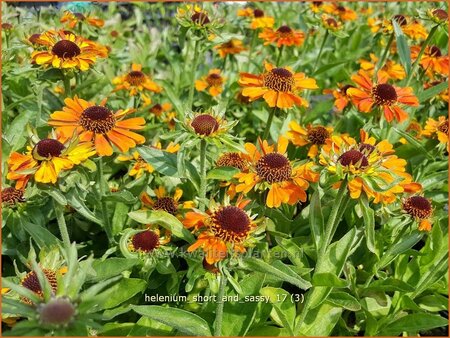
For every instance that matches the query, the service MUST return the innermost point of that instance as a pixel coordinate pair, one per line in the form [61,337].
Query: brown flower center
[231,160]
[34,38]
[317,135]
[47,148]
[384,94]
[7,26]
[205,124]
[279,79]
[258,13]
[443,127]
[331,22]
[340,8]
[317,3]
[210,267]
[66,49]
[274,167]
[345,88]
[214,79]
[200,18]
[417,206]
[168,204]
[435,51]
[58,311]
[98,119]
[145,241]
[366,148]
[284,31]
[227,45]
[79,16]
[230,224]
[353,157]
[401,20]
[31,282]
[135,78]
[157,109]
[12,196]
[440,14]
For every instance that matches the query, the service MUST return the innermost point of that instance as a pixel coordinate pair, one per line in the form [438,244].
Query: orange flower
[315,136]
[391,69]
[415,30]
[341,97]
[229,48]
[432,60]
[316,6]
[136,82]
[331,23]
[283,36]
[66,50]
[382,95]
[344,13]
[272,170]
[74,18]
[159,109]
[260,20]
[278,86]
[437,128]
[369,167]
[223,229]
[214,81]
[99,124]
[420,209]
[166,202]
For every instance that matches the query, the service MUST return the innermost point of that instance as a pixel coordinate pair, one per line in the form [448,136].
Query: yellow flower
[315,136]
[391,69]
[272,170]
[230,48]
[344,13]
[165,202]
[66,50]
[136,82]
[437,128]
[214,81]
[73,19]
[283,36]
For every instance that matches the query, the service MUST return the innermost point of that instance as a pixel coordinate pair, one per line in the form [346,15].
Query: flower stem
[252,46]
[419,56]
[279,56]
[202,192]
[61,224]
[194,68]
[219,306]
[320,50]
[107,223]
[381,61]
[269,123]
[67,88]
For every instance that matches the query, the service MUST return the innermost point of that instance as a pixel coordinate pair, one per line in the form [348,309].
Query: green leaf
[184,321]
[55,194]
[164,219]
[284,274]
[284,307]
[403,50]
[222,173]
[40,235]
[414,323]
[330,66]
[416,144]
[52,74]
[312,326]
[328,279]
[163,162]
[316,219]
[390,284]
[432,91]
[111,267]
[75,201]
[344,300]
[406,243]
[118,293]
[369,223]
[123,196]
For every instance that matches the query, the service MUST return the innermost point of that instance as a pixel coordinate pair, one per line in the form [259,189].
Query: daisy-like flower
[230,48]
[438,15]
[159,109]
[314,136]
[213,82]
[385,26]
[330,23]
[420,209]
[223,229]
[272,170]
[139,165]
[341,97]
[66,50]
[283,36]
[235,160]
[278,86]
[73,18]
[344,13]
[260,20]
[316,6]
[382,95]
[433,61]
[12,196]
[369,167]
[207,125]
[148,241]
[99,124]
[415,30]
[391,69]
[437,128]
[136,82]
[414,129]
[46,159]
[31,282]
[193,17]
[166,202]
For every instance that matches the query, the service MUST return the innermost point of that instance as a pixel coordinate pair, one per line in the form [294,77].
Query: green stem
[107,223]
[419,56]
[219,306]
[194,68]
[225,62]
[382,60]
[202,192]
[67,88]
[61,224]
[320,50]
[279,56]
[269,123]
[252,46]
